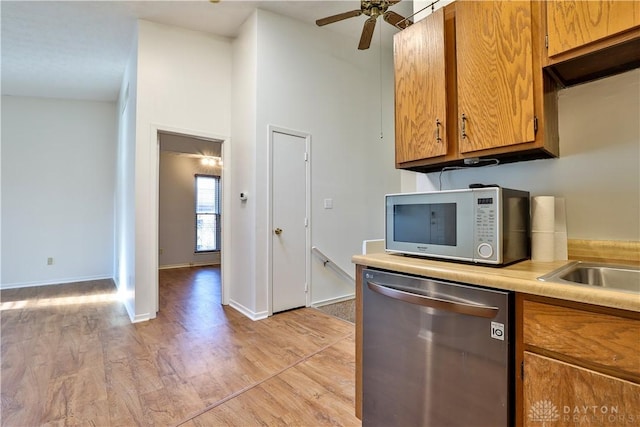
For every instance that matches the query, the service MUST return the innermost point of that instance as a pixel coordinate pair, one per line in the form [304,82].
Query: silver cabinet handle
[487,312]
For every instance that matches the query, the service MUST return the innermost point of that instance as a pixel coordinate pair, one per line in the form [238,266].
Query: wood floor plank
[94,413]
[183,397]
[20,388]
[125,407]
[256,407]
[70,356]
[60,404]
[158,409]
[291,398]
[334,369]
[146,374]
[90,385]
[121,342]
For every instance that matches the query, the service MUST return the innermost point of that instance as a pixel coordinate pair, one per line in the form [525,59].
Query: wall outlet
[161,251]
[50,261]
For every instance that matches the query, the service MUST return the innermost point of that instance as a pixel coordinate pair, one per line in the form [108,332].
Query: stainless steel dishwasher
[435,353]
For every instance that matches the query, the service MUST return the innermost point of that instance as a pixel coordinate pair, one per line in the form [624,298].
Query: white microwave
[487,225]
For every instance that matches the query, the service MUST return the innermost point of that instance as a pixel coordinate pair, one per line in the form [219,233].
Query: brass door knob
[278,231]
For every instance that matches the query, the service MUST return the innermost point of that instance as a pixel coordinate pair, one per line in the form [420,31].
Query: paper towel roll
[560,216]
[560,252]
[542,245]
[543,213]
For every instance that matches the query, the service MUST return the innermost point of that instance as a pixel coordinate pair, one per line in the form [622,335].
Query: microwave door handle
[438,303]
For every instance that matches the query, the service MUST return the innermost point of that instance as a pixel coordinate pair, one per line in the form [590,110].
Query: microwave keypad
[485,227]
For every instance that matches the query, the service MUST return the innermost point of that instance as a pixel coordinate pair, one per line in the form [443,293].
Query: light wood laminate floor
[70,356]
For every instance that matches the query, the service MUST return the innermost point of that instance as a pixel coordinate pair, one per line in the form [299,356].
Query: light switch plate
[328,203]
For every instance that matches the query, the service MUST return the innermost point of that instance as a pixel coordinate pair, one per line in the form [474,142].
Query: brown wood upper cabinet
[573,24]
[469,83]
[495,74]
[588,40]
[421,98]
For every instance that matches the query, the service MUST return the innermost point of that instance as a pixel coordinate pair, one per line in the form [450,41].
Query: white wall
[124,248]
[177,224]
[319,83]
[598,171]
[242,250]
[182,86]
[422,8]
[58,174]
[333,91]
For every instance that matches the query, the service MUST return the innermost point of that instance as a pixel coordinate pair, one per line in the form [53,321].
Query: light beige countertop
[519,277]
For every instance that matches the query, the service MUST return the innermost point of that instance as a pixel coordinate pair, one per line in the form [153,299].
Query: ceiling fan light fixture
[372,9]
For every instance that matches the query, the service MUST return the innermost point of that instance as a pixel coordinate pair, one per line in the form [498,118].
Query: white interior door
[289,219]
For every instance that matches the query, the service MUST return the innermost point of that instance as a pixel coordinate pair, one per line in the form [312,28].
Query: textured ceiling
[78,49]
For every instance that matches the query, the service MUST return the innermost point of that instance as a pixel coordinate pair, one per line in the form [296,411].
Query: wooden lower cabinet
[562,394]
[610,342]
[580,364]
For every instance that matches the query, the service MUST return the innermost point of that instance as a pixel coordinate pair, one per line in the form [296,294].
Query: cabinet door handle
[464,126]
[438,124]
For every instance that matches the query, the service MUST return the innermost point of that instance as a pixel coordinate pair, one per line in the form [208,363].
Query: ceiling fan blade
[338,17]
[396,20]
[367,33]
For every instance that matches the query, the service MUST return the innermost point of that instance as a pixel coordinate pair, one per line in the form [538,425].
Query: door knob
[278,231]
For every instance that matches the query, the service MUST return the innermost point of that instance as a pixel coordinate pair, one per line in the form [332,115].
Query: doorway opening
[190,203]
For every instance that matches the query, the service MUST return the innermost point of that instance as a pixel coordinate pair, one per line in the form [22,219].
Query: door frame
[307,137]
[225,260]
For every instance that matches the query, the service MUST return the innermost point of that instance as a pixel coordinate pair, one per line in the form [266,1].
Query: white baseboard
[333,300]
[141,317]
[249,313]
[191,264]
[130,310]
[53,282]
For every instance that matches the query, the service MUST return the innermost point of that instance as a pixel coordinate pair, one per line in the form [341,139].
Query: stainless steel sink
[619,277]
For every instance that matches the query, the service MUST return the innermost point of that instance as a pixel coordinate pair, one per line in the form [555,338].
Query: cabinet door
[560,394]
[571,24]
[420,84]
[601,339]
[495,74]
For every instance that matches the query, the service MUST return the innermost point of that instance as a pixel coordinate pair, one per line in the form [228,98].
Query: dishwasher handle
[438,303]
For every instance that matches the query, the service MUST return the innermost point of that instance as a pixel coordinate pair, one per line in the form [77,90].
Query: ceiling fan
[373,9]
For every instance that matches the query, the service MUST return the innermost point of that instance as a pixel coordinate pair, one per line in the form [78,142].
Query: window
[207,213]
